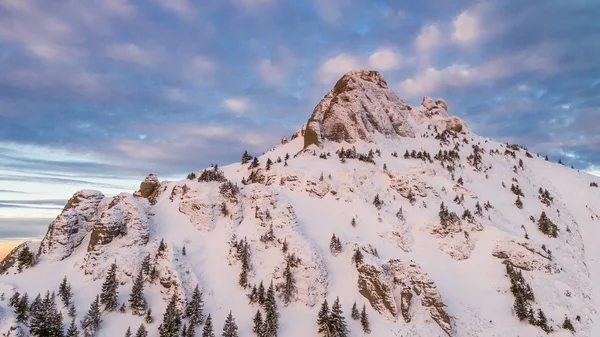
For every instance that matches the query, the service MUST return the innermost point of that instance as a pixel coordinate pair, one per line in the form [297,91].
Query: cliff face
[72,225]
[359,105]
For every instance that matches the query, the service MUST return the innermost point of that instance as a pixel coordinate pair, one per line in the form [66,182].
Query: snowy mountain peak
[418,227]
[361,104]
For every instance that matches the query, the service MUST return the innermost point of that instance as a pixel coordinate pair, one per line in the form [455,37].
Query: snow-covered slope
[426,270]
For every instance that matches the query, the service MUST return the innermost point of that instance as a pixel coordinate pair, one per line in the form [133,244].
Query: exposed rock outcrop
[359,105]
[124,224]
[410,282]
[148,187]
[374,287]
[75,221]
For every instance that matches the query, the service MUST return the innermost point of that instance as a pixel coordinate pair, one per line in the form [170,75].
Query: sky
[97,94]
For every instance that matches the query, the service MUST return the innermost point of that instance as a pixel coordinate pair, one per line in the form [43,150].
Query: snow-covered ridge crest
[361,104]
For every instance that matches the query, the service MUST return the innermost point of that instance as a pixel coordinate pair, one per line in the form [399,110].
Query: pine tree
[109,296]
[45,319]
[93,319]
[184,331]
[161,247]
[253,295]
[123,308]
[14,299]
[149,319]
[357,257]
[194,308]
[136,298]
[520,307]
[258,323]
[337,320]
[25,258]
[191,332]
[128,332]
[208,330]
[246,157]
[261,294]
[65,292]
[269,163]
[230,328]
[542,321]
[568,325]
[171,319]
[271,316]
[519,203]
[183,252]
[146,265]
[323,320]
[364,320]
[141,332]
[354,313]
[288,287]
[22,309]
[73,331]
[284,246]
[335,245]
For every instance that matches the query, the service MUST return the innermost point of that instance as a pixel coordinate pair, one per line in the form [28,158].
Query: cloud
[384,59]
[429,38]
[119,7]
[253,3]
[330,11]
[182,8]
[201,64]
[174,94]
[338,65]
[276,72]
[236,104]
[132,53]
[466,27]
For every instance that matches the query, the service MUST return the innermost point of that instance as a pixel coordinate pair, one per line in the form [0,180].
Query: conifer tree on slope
[65,292]
[146,265]
[128,332]
[208,330]
[92,321]
[258,324]
[191,332]
[194,308]
[323,320]
[364,320]
[230,329]
[141,332]
[46,320]
[337,320]
[22,309]
[109,296]
[271,315]
[136,298]
[355,314]
[73,331]
[171,319]
[261,294]
[288,287]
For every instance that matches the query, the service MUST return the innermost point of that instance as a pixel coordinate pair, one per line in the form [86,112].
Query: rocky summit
[375,218]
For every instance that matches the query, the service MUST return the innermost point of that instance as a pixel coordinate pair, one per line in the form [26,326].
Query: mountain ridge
[431,208]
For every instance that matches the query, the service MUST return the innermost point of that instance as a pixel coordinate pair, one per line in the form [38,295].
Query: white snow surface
[305,211]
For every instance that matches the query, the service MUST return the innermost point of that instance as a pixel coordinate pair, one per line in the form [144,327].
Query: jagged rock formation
[72,225]
[123,220]
[360,104]
[148,187]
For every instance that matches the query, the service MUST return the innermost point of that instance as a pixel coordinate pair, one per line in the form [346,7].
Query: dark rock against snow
[359,105]
[148,187]
[75,221]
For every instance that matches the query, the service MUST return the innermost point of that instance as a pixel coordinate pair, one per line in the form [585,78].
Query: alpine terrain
[376,218]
